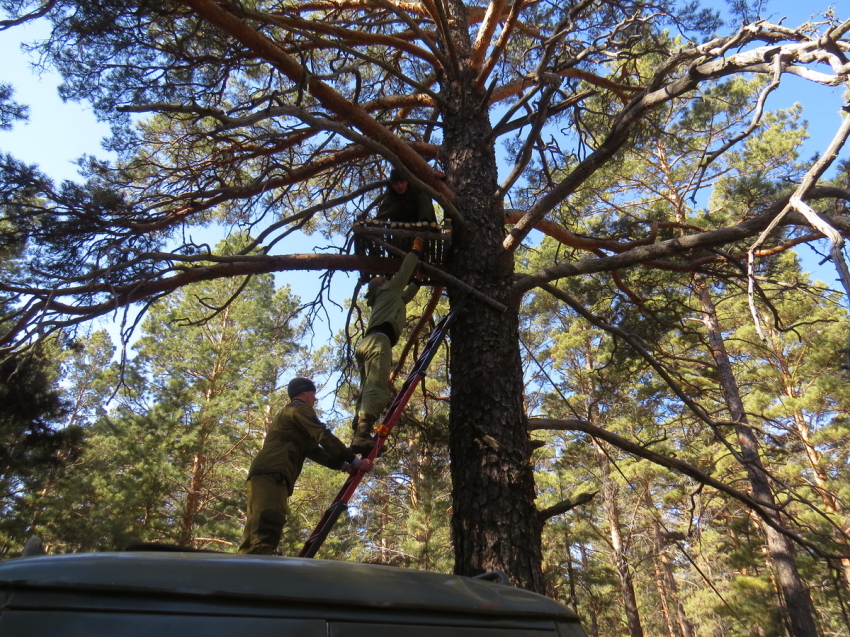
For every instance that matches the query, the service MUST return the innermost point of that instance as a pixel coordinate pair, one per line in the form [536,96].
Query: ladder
[340,502]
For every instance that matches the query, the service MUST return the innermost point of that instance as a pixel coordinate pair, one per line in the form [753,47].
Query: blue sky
[57,132]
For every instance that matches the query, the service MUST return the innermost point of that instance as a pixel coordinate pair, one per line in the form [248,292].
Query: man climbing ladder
[383,430]
[388,299]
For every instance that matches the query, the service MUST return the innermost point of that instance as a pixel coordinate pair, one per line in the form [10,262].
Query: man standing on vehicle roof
[374,353]
[295,434]
[405,202]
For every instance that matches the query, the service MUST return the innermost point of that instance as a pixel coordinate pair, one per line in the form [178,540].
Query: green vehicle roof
[276,579]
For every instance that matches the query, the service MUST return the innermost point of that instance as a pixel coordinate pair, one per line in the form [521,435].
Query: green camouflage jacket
[296,434]
[388,302]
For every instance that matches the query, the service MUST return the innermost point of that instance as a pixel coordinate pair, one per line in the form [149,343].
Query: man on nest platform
[296,433]
[388,300]
[404,202]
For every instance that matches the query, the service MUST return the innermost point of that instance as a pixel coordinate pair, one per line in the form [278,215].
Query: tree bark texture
[193,500]
[798,604]
[494,521]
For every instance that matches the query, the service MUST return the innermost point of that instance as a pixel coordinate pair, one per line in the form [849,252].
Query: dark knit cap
[299,386]
[395,175]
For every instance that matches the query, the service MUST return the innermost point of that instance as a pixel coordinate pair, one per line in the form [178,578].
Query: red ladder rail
[340,502]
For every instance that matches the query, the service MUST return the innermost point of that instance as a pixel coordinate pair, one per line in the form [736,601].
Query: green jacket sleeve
[401,278]
[327,449]
[331,453]
[409,292]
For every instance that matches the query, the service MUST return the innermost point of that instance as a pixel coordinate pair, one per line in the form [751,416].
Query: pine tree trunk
[661,589]
[494,523]
[591,622]
[685,628]
[668,591]
[193,500]
[571,576]
[797,601]
[621,562]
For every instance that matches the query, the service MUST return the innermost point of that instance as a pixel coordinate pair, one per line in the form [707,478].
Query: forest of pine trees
[643,408]
[167,436]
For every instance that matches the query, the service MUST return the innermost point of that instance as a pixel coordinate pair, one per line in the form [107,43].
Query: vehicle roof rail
[500,577]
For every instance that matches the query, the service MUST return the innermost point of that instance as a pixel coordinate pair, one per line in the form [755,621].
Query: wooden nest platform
[437,238]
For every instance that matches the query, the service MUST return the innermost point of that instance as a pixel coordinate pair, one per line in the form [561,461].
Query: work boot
[363,439]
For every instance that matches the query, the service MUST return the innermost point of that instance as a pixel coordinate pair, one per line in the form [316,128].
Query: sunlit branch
[413,8]
[485,32]
[342,108]
[499,47]
[349,36]
[398,101]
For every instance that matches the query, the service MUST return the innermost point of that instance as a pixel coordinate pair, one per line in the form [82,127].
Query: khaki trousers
[374,356]
[267,509]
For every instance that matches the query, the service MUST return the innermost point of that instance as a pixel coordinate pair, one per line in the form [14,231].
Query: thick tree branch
[498,48]
[485,32]
[33,15]
[565,505]
[680,245]
[120,296]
